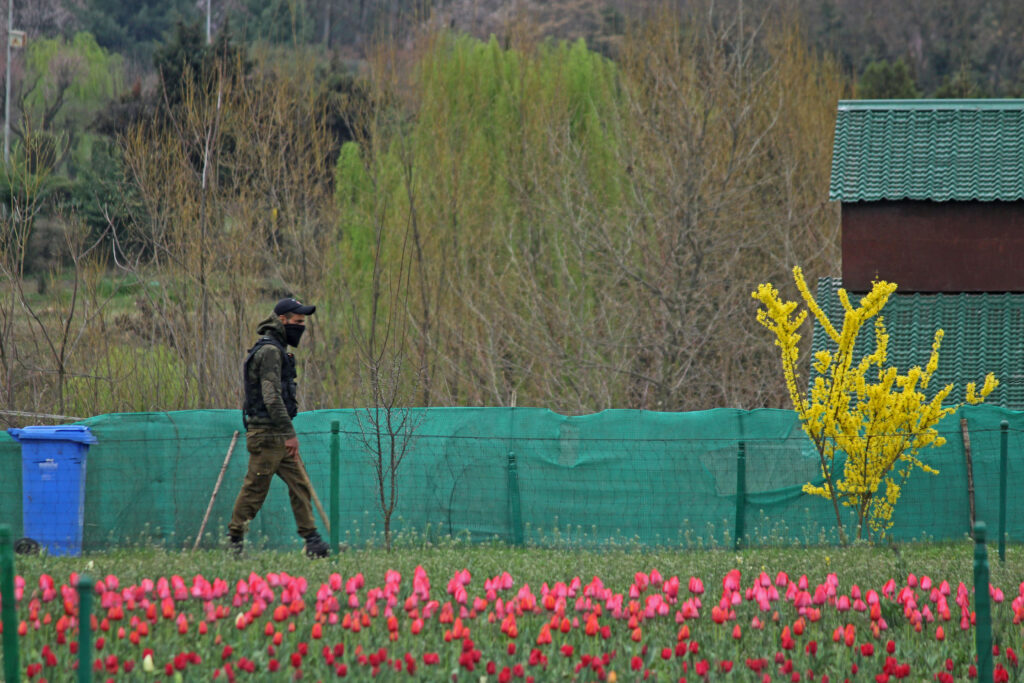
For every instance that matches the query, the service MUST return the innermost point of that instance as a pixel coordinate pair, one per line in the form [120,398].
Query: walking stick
[220,478]
[316,498]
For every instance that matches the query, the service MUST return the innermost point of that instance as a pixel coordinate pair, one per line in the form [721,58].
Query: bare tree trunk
[328,6]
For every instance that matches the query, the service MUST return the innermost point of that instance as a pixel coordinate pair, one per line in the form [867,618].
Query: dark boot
[316,546]
[235,545]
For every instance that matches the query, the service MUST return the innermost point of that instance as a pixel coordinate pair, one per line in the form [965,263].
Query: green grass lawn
[862,564]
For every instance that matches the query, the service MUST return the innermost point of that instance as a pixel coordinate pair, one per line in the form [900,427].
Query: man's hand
[292,446]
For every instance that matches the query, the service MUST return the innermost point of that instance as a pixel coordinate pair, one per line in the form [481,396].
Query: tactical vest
[254,405]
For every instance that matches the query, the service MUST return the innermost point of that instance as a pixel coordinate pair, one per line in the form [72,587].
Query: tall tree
[134,28]
[583,233]
[66,83]
[960,85]
[885,80]
[286,22]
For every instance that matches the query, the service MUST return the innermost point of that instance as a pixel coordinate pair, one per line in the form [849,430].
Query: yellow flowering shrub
[860,408]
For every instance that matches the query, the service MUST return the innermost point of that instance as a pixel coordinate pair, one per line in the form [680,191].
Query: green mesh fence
[521,474]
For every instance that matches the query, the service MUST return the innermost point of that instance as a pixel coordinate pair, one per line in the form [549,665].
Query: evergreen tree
[186,55]
[960,86]
[885,80]
[274,21]
[132,28]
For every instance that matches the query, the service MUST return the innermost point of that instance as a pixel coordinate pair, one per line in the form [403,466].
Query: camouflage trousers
[267,457]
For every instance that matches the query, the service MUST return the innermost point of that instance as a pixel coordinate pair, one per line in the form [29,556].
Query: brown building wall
[934,246]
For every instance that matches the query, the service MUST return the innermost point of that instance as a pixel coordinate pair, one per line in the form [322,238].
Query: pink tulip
[420,583]
[689,610]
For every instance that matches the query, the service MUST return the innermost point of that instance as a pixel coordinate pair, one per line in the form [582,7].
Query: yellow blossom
[867,421]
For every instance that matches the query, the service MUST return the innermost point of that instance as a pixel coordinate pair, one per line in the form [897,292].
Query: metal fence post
[84,629]
[983,614]
[335,483]
[514,509]
[1004,438]
[741,493]
[8,617]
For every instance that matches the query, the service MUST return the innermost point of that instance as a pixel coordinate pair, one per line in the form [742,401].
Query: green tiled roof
[983,333]
[938,150]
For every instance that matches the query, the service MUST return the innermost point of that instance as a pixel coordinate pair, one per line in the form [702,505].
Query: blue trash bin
[53,484]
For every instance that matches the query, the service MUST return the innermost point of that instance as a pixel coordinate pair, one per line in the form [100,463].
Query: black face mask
[293,333]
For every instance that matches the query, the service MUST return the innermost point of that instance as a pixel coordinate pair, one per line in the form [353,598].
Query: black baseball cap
[290,305]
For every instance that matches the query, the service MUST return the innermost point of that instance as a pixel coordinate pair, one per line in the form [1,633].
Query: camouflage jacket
[264,370]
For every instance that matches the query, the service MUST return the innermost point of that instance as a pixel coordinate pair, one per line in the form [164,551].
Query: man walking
[268,376]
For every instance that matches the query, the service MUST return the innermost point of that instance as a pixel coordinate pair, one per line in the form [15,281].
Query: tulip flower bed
[738,623]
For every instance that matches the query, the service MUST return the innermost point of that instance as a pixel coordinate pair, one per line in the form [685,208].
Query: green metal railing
[8,616]
[741,493]
[85,586]
[982,609]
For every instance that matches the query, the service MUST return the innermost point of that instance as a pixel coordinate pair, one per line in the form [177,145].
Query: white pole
[208,3]
[7,85]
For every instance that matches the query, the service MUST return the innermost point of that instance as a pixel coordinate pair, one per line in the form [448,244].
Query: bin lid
[76,433]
